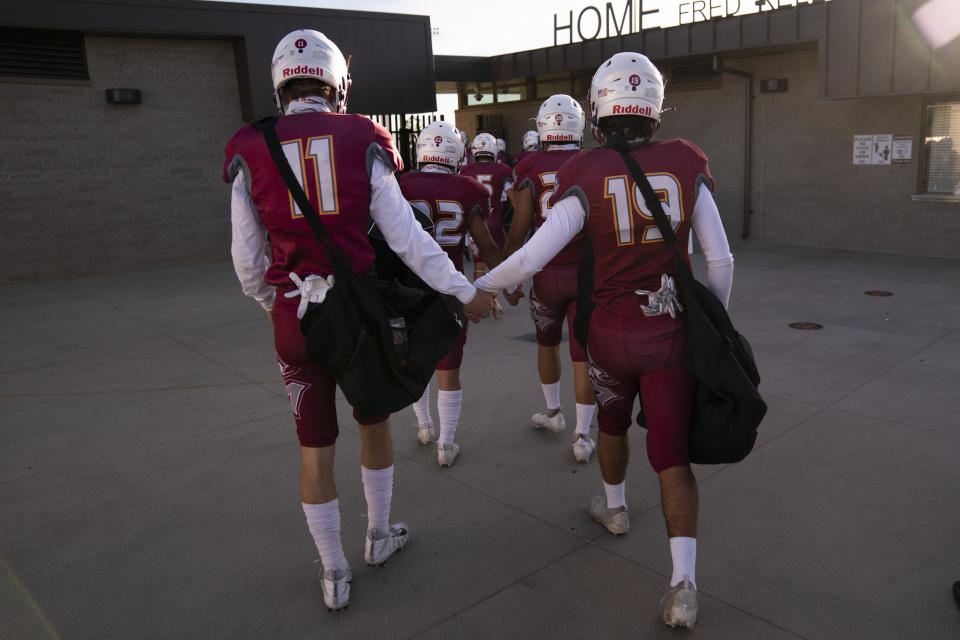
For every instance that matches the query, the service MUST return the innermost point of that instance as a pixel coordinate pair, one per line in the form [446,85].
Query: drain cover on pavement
[806,326]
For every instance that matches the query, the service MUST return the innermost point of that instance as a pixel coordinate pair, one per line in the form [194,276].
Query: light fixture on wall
[123,96]
[773,85]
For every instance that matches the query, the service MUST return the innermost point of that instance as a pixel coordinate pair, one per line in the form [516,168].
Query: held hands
[482,304]
[513,297]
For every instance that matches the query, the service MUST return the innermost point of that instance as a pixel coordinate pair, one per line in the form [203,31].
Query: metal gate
[405,129]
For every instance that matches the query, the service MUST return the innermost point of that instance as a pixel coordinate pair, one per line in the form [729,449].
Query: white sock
[684,554]
[448,408]
[616,494]
[551,393]
[422,407]
[323,521]
[585,417]
[378,489]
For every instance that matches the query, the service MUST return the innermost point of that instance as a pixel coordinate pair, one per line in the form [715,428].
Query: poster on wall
[862,149]
[882,148]
[902,149]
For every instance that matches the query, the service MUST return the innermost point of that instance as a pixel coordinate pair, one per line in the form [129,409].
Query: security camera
[478,96]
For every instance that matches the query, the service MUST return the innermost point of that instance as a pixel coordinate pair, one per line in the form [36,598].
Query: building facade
[826,124]
[97,182]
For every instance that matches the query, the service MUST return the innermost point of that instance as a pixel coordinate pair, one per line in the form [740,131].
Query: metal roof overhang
[392,65]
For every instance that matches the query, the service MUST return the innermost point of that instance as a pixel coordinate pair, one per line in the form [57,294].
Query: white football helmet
[484,145]
[501,145]
[560,119]
[439,143]
[531,141]
[626,84]
[306,53]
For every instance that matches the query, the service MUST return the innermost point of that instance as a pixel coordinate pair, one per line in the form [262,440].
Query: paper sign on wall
[882,148]
[862,149]
[902,149]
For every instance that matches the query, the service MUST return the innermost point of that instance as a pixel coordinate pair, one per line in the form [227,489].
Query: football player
[346,165]
[467,153]
[497,178]
[637,337]
[456,204]
[502,155]
[531,144]
[554,294]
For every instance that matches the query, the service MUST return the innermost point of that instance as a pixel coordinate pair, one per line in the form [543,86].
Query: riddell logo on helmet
[441,159]
[302,69]
[558,137]
[632,109]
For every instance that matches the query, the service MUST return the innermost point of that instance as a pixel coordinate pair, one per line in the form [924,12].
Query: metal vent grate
[39,53]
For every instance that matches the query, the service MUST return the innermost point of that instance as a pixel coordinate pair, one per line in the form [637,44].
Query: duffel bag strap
[267,126]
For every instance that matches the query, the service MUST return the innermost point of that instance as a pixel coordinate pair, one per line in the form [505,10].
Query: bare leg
[678,491]
[582,387]
[449,380]
[316,475]
[377,445]
[548,365]
[613,452]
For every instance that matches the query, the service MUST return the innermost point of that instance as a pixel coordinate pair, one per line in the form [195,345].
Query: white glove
[474,250]
[313,289]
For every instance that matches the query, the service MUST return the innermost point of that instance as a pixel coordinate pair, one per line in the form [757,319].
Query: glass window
[941,149]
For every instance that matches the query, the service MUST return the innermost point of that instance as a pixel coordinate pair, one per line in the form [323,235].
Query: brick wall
[89,187]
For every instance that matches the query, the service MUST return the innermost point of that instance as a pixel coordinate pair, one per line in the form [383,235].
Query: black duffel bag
[727,407]
[380,340]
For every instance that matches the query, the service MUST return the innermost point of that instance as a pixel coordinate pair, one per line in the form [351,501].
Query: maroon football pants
[553,298]
[310,389]
[643,355]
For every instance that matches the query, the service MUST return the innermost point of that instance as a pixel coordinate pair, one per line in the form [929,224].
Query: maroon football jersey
[491,175]
[629,251]
[331,154]
[538,171]
[517,159]
[452,201]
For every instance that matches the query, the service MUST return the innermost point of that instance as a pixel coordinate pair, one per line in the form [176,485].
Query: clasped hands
[485,302]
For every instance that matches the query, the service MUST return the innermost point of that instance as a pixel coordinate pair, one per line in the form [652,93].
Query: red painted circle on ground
[806,326]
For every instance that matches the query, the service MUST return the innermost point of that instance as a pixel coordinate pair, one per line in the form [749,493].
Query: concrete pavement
[148,475]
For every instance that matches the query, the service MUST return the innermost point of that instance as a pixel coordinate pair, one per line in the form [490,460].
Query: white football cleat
[583,447]
[335,584]
[616,520]
[426,433]
[680,605]
[447,453]
[554,424]
[378,549]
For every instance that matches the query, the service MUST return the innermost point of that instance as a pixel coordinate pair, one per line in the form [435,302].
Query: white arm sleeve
[248,245]
[406,237]
[709,229]
[566,219]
